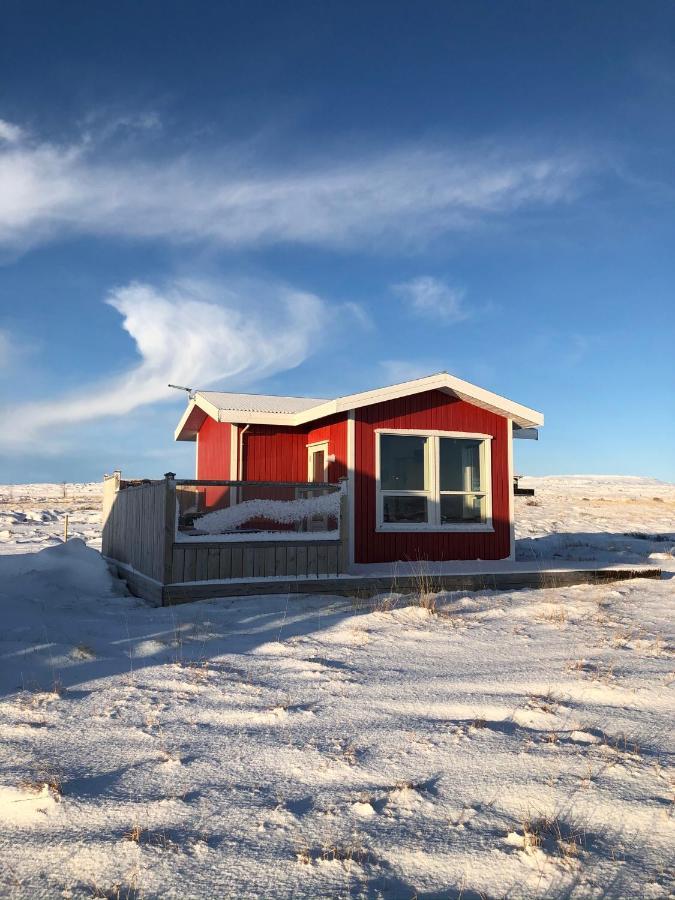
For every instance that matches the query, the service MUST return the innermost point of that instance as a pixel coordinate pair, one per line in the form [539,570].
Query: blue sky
[320,198]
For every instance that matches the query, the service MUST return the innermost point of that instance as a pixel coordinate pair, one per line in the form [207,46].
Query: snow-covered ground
[32,516]
[495,744]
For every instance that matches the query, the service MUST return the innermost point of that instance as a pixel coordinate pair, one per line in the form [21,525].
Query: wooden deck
[140,540]
[363,585]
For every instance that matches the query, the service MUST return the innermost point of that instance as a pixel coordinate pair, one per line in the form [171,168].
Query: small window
[433,482]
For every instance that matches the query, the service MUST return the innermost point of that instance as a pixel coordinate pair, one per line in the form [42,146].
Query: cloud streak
[188,333]
[405,195]
[5,349]
[433,298]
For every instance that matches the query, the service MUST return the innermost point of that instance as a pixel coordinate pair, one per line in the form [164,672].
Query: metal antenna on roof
[178,387]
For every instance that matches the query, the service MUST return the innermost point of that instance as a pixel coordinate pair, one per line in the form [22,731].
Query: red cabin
[428,463]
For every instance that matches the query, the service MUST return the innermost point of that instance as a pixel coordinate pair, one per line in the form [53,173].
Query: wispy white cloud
[394,371]
[187,333]
[10,133]
[434,298]
[5,349]
[408,194]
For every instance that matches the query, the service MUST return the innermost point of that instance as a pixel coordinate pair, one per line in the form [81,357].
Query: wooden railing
[139,535]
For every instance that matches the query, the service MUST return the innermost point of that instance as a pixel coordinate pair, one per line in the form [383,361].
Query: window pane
[405,509]
[460,465]
[403,463]
[456,508]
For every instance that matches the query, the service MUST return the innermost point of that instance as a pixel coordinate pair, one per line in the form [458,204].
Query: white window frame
[433,494]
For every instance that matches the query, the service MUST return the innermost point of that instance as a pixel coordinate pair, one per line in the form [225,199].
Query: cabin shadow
[216,634]
[605,548]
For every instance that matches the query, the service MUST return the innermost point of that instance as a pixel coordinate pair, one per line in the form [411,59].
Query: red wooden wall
[213,458]
[213,450]
[275,453]
[439,412]
[271,452]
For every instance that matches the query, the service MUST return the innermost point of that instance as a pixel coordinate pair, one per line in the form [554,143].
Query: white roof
[272,410]
[258,403]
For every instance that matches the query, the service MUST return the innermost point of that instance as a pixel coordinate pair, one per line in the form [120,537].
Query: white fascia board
[183,419]
[207,407]
[239,417]
[521,415]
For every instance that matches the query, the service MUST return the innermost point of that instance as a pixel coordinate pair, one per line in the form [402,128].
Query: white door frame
[317,447]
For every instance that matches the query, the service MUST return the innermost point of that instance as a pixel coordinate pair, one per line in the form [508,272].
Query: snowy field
[498,744]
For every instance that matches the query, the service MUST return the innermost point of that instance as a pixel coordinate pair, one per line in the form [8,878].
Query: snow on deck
[491,743]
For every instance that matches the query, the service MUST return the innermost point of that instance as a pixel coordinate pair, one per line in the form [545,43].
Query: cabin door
[317,471]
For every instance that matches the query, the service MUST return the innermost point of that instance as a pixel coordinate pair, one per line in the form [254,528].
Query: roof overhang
[522,416]
[190,423]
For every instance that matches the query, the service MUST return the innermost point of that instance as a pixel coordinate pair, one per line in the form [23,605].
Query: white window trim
[311,448]
[433,494]
[351,485]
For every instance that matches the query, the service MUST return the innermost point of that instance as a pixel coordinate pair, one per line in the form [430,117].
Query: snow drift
[281,512]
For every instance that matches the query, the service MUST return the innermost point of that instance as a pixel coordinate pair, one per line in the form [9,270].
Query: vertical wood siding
[275,453]
[213,457]
[436,411]
[271,453]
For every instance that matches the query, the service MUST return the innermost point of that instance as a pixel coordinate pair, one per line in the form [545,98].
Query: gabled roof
[270,410]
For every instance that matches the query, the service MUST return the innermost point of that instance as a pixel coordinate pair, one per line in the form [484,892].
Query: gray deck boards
[368,586]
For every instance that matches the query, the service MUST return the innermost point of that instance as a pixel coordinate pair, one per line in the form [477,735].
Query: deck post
[169,526]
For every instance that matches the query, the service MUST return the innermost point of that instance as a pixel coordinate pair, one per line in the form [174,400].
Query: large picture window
[437,481]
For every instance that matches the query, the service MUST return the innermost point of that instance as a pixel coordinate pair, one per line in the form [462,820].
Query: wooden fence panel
[222,561]
[139,525]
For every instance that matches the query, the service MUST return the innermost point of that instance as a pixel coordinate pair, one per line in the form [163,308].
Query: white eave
[266,410]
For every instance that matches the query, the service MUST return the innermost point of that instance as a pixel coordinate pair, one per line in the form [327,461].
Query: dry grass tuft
[44,777]
[576,665]
[604,672]
[350,754]
[547,702]
[347,854]
[557,615]
[624,744]
[118,891]
[553,836]
[428,601]
[84,652]
[134,834]
[385,603]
